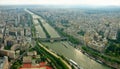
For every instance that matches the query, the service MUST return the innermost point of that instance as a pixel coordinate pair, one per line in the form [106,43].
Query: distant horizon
[62,2]
[59,6]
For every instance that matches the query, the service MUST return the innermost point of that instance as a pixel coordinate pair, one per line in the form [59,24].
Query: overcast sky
[62,2]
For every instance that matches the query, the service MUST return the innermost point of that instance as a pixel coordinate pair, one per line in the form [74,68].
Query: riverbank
[61,61]
[71,53]
[100,58]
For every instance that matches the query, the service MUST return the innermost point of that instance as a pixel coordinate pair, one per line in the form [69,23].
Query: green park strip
[57,60]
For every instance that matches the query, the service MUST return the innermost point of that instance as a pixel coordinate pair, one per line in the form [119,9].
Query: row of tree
[47,34]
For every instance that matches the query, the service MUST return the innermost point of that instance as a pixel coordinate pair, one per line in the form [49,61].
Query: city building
[27,59]
[9,53]
[33,53]
[4,62]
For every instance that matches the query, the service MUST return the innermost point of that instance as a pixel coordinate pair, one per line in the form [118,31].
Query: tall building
[4,62]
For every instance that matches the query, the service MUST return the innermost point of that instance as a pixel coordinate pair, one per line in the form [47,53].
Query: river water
[65,49]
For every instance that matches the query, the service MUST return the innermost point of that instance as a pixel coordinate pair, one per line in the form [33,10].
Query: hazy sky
[62,2]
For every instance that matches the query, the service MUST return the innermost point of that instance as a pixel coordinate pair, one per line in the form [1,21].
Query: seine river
[64,48]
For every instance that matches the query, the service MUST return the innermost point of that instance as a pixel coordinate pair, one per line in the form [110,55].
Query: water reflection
[74,54]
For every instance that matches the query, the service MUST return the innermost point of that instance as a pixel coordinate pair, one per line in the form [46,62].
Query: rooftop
[42,65]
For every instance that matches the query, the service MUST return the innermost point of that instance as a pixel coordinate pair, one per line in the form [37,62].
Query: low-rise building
[27,59]
[9,53]
[33,53]
[42,65]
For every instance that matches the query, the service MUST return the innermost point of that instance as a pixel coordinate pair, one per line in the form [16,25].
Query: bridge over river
[52,39]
